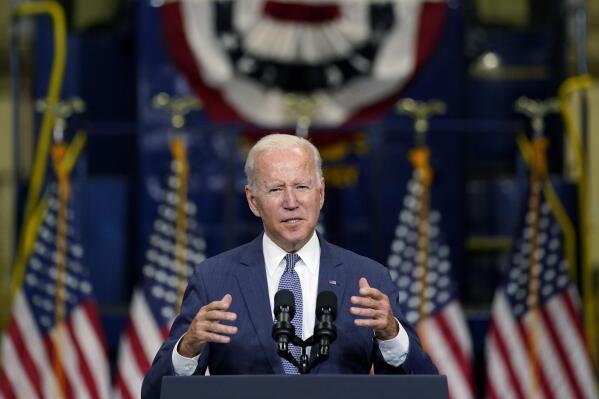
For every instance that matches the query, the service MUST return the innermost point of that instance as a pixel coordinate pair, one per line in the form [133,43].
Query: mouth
[291,221]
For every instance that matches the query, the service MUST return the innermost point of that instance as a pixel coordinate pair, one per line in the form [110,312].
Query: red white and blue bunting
[352,57]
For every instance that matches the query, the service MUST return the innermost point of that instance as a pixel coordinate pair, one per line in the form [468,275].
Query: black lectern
[305,387]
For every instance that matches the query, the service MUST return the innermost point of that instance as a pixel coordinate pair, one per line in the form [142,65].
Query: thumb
[227,299]
[363,283]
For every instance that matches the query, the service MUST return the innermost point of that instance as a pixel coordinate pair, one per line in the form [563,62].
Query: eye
[303,187]
[275,190]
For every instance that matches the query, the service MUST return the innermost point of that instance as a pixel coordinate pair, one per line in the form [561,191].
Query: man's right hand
[205,327]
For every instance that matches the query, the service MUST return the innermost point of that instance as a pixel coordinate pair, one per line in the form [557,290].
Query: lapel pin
[333,282]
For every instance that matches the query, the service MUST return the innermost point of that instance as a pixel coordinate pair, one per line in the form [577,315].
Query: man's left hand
[374,310]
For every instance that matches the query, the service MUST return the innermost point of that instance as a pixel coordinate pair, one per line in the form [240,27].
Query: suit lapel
[254,288]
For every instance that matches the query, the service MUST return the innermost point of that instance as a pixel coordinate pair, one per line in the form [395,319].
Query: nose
[290,199]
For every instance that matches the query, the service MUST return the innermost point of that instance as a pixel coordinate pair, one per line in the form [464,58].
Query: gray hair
[278,141]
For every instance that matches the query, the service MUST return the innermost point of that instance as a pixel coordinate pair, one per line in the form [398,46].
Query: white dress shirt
[394,350]
[306,268]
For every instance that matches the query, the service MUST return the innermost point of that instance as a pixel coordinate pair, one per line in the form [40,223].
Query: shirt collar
[273,254]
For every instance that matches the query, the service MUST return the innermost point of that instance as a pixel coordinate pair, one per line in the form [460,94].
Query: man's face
[287,195]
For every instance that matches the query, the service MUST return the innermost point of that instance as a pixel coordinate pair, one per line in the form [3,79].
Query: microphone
[326,312]
[283,331]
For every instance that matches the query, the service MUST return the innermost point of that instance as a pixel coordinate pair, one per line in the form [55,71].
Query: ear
[321,189]
[252,203]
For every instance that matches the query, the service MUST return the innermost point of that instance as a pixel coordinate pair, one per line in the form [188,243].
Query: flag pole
[302,108]
[61,112]
[178,107]
[419,156]
[64,194]
[536,111]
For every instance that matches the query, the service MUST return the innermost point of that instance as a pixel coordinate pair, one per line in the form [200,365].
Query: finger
[218,328]
[363,283]
[371,292]
[367,302]
[367,290]
[223,304]
[228,298]
[369,313]
[217,315]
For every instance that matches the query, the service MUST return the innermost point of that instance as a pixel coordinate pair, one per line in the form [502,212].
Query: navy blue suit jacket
[241,272]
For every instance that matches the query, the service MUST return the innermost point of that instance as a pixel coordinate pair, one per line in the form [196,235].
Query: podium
[306,387]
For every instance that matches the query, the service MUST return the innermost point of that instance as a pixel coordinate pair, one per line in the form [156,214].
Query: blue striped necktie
[290,281]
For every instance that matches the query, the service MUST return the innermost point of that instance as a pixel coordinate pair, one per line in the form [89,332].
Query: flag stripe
[572,303]
[564,315]
[117,393]
[28,329]
[93,318]
[524,330]
[134,341]
[84,371]
[497,372]
[444,357]
[456,350]
[164,331]
[454,316]
[504,362]
[142,317]
[20,383]
[511,349]
[71,364]
[141,341]
[49,348]
[24,356]
[129,371]
[567,367]
[86,332]
[551,363]
[122,392]
[6,391]
[490,391]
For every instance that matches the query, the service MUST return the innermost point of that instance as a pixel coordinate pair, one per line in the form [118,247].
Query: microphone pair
[325,332]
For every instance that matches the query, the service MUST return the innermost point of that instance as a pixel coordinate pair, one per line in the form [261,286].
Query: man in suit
[227,312]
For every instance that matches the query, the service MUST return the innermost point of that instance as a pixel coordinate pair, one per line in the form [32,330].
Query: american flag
[154,304]
[542,353]
[434,309]
[33,343]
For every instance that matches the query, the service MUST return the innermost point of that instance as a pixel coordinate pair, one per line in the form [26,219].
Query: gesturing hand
[205,327]
[375,311]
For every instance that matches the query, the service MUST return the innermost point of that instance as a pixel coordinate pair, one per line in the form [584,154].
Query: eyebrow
[280,184]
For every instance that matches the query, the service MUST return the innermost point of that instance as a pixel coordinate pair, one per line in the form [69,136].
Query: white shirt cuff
[395,350]
[183,366]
